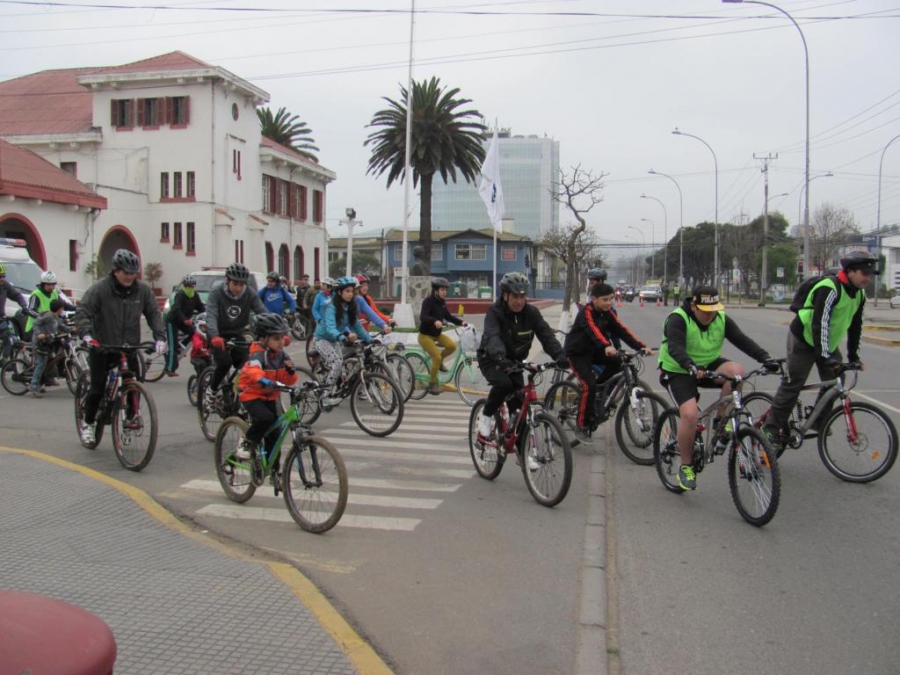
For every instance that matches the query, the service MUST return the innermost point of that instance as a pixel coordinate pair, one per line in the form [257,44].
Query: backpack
[803,290]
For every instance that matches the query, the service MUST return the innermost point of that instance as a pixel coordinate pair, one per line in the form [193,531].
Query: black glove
[833,366]
[771,365]
[562,362]
[507,365]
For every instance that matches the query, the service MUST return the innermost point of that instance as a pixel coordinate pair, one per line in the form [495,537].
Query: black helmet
[439,282]
[237,272]
[860,260]
[125,260]
[272,276]
[597,274]
[270,324]
[514,282]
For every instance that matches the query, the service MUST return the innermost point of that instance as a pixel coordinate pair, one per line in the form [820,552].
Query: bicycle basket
[470,340]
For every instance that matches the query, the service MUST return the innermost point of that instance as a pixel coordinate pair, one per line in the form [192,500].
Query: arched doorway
[284,261]
[16,226]
[115,238]
[298,263]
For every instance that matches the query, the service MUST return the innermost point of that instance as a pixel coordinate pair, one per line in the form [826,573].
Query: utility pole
[764,277]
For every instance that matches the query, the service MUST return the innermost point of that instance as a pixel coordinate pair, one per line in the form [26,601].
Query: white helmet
[48,277]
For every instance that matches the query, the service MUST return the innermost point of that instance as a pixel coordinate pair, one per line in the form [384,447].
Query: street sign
[779,272]
[399,272]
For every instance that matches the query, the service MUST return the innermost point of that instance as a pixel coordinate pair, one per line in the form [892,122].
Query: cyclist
[510,326]
[227,317]
[110,313]
[179,320]
[432,317]
[275,296]
[589,343]
[46,331]
[368,312]
[7,290]
[200,357]
[267,365]
[339,326]
[693,335]
[322,299]
[831,311]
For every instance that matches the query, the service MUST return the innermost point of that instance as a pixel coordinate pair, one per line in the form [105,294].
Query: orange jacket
[264,364]
[383,317]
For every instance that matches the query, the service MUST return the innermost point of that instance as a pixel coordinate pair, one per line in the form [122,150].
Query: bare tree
[831,225]
[579,192]
[556,242]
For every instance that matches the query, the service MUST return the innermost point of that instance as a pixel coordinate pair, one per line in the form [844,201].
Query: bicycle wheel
[211,410]
[757,406]
[665,450]
[314,482]
[81,392]
[154,366]
[235,476]
[753,476]
[16,377]
[549,446]
[81,357]
[73,372]
[422,372]
[192,390]
[470,383]
[401,372]
[487,455]
[299,327]
[135,426]
[635,422]
[562,400]
[860,449]
[376,404]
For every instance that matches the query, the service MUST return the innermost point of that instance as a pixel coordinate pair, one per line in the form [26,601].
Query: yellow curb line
[881,327]
[363,657]
[888,342]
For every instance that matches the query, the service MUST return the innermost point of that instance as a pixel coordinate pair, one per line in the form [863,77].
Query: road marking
[424,486]
[431,471]
[434,415]
[353,432]
[405,427]
[373,442]
[428,458]
[282,516]
[875,400]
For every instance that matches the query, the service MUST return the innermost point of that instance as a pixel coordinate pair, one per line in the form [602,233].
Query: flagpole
[403,312]
[494,228]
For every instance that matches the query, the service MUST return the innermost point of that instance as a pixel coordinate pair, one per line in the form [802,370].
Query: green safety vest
[43,305]
[841,315]
[703,346]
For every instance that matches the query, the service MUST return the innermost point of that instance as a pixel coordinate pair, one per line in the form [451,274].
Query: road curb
[887,342]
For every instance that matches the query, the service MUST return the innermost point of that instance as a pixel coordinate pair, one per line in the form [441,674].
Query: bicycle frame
[460,358]
[509,437]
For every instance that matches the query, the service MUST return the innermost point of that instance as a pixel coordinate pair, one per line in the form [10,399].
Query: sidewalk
[176,600]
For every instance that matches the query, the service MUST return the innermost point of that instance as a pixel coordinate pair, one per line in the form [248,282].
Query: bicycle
[869,447]
[753,475]
[301,324]
[393,365]
[154,364]
[16,375]
[127,406]
[463,372]
[313,480]
[637,408]
[534,433]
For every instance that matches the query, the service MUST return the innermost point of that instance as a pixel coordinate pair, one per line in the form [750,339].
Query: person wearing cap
[180,319]
[432,318]
[693,335]
[831,311]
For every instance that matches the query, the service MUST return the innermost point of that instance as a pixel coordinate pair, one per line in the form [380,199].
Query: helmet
[597,274]
[856,259]
[189,280]
[282,279]
[237,272]
[343,282]
[439,282]
[125,260]
[270,324]
[328,281]
[362,279]
[48,277]
[2,268]
[514,282]
[200,320]
[272,276]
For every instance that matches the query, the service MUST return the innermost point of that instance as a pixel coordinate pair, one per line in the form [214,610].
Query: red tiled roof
[171,61]
[269,143]
[29,176]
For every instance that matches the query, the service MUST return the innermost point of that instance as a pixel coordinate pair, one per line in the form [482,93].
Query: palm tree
[445,139]
[285,130]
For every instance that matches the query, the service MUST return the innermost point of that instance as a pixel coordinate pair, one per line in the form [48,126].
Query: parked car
[650,293]
[895,301]
[205,281]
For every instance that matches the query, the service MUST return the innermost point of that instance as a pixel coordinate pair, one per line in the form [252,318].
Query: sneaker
[485,425]
[444,369]
[88,435]
[533,464]
[330,401]
[583,435]
[434,389]
[172,374]
[52,382]
[687,479]
[37,393]
[244,450]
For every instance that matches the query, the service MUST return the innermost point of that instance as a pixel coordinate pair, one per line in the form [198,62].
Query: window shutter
[170,110]
[114,113]
[160,112]
[140,113]
[291,200]
[187,109]
[273,197]
[132,104]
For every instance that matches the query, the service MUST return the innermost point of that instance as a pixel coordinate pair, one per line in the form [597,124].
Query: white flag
[490,189]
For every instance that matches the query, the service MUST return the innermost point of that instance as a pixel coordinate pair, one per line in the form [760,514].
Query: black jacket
[184,307]
[111,313]
[509,336]
[594,330]
[7,290]
[435,309]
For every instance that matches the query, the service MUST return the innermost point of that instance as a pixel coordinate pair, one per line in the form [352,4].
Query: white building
[174,146]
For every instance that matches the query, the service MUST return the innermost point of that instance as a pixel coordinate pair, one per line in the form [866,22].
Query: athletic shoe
[533,464]
[37,393]
[88,434]
[434,389]
[244,451]
[687,479]
[52,382]
[330,401]
[485,425]
[171,374]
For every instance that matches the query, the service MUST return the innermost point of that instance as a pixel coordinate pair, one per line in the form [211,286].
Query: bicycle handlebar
[126,347]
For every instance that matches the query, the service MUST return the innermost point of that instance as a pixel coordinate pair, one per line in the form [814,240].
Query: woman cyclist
[433,316]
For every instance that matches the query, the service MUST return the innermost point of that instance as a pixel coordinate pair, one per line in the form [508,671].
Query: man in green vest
[676,293]
[692,342]
[832,311]
[39,302]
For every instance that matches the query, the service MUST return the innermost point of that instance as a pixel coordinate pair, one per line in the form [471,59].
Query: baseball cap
[707,299]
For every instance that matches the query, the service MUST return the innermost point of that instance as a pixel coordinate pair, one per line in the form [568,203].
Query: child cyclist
[200,356]
[590,343]
[46,330]
[267,365]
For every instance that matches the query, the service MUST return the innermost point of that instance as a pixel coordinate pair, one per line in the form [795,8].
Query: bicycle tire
[73,372]
[209,415]
[550,483]
[314,484]
[488,458]
[402,373]
[384,397]
[753,476]
[235,477]
[665,450]
[81,392]
[634,429]
[133,446]
[869,457]
[758,406]
[16,377]
[422,372]
[154,367]
[470,383]
[192,388]
[309,345]
[300,327]
[563,399]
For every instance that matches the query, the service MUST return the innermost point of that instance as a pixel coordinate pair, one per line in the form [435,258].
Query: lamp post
[878,216]
[632,265]
[665,236]
[680,223]
[652,246]
[800,214]
[643,240]
[806,161]
[716,210]
[351,222]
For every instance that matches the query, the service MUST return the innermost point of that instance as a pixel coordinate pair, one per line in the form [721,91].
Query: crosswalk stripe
[424,486]
[427,458]
[405,427]
[352,498]
[282,516]
[432,471]
[353,432]
[355,440]
[435,415]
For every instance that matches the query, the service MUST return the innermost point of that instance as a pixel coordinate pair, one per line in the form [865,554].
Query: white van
[21,271]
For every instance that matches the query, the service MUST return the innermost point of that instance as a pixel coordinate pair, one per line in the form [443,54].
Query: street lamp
[807,180]
[680,226]
[351,222]
[632,264]
[643,240]
[652,247]
[800,216]
[878,216]
[716,223]
[665,236]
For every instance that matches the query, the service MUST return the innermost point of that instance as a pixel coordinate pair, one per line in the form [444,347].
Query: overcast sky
[608,79]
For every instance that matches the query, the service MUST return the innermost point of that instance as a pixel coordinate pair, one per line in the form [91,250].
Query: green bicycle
[463,372]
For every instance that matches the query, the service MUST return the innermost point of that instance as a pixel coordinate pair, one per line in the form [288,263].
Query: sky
[609,79]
